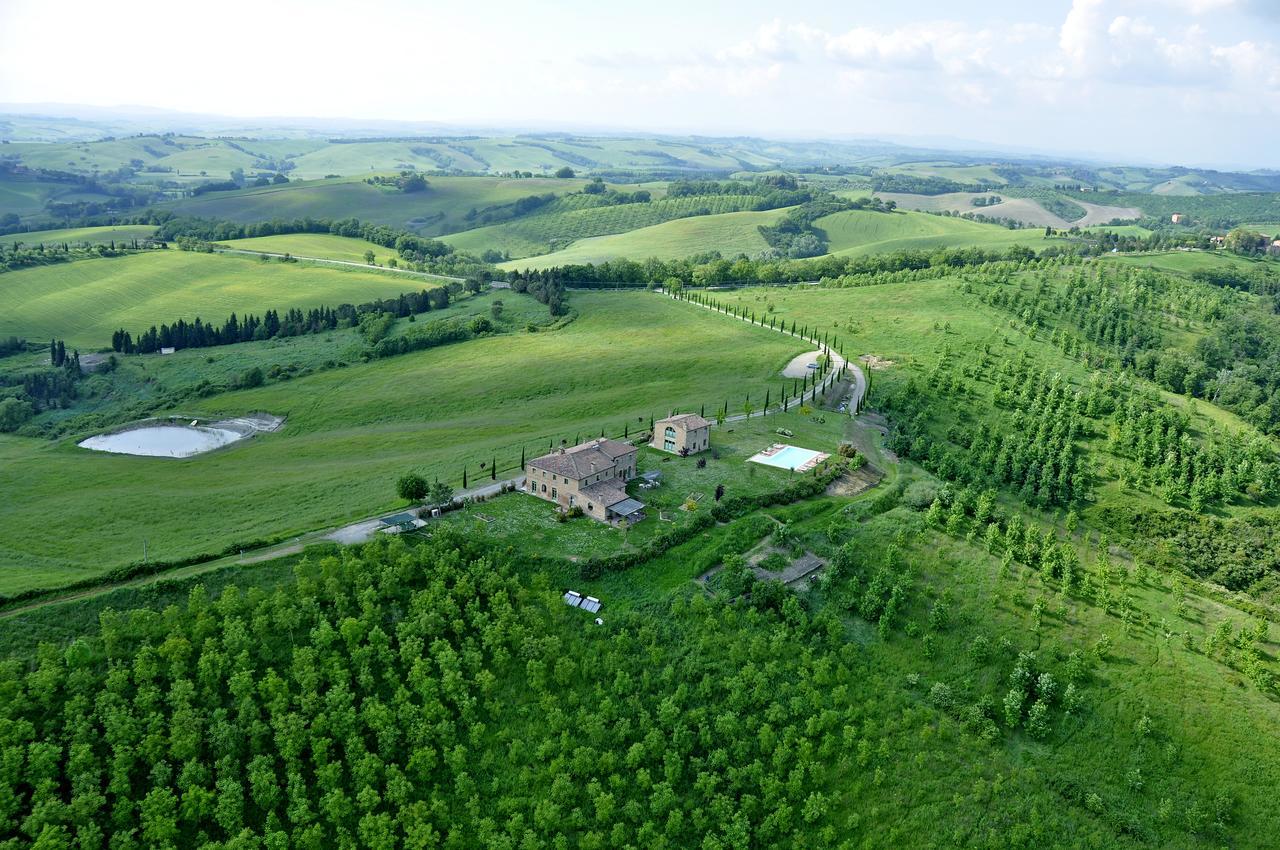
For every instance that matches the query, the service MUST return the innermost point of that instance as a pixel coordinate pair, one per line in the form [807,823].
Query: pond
[163,440]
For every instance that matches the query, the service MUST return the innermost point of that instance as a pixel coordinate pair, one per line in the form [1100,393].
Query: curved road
[840,363]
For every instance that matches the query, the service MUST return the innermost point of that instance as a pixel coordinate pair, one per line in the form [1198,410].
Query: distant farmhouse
[684,434]
[1177,218]
[591,476]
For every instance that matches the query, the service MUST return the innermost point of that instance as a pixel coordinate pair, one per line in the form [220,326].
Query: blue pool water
[791,457]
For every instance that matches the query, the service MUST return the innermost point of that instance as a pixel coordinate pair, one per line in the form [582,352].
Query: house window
[544,488]
[669,445]
[670,432]
[588,507]
[553,492]
[572,499]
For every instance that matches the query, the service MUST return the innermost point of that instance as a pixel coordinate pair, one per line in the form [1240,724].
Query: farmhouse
[684,434]
[1177,218]
[591,476]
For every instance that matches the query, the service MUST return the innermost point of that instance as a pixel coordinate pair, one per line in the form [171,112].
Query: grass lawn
[324,245]
[352,431]
[83,235]
[84,302]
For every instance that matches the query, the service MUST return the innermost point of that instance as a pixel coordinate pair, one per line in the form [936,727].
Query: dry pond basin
[180,437]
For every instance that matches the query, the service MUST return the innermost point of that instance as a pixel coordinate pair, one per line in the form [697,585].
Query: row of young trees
[1120,312]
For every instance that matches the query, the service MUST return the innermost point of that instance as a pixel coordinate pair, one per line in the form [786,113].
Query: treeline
[914,184]
[295,322]
[15,255]
[429,335]
[744,270]
[408,245]
[12,345]
[795,237]
[25,394]
[773,190]
[545,290]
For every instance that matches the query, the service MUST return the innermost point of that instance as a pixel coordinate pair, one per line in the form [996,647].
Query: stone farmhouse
[683,434]
[591,476]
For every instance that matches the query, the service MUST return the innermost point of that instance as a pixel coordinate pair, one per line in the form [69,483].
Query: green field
[352,431]
[83,235]
[324,245]
[857,232]
[1188,261]
[441,208]
[730,234]
[86,301]
[580,217]
[26,196]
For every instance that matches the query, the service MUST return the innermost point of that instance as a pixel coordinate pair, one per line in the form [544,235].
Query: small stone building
[683,434]
[591,476]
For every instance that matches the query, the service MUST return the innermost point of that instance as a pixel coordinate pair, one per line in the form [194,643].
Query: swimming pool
[789,457]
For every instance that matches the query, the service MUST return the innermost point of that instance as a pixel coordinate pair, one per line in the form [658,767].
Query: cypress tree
[493,469]
[464,477]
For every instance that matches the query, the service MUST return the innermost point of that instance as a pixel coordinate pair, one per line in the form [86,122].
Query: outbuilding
[682,434]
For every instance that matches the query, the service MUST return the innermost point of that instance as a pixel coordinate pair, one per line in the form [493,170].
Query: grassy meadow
[326,246]
[85,302]
[441,208]
[352,431]
[729,233]
[858,232]
[83,235]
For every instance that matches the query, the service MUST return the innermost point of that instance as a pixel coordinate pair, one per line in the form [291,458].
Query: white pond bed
[163,441]
[177,439]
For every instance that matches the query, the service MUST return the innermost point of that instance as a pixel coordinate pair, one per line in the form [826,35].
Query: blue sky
[1186,81]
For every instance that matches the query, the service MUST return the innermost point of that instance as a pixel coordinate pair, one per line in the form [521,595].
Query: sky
[1191,82]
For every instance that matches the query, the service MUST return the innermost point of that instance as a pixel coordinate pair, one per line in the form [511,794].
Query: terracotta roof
[690,420]
[585,459]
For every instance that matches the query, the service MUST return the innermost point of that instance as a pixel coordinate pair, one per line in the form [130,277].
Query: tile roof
[585,459]
[690,420]
[607,493]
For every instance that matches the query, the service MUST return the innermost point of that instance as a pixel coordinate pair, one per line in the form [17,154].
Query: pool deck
[764,457]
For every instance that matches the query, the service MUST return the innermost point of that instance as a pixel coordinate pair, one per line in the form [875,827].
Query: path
[429,275]
[831,376]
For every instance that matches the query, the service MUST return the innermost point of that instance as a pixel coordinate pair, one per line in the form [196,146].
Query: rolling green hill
[569,219]
[86,301]
[729,233]
[443,207]
[855,232]
[325,245]
[83,235]
[352,431]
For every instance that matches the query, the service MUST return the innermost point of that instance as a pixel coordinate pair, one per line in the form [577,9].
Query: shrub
[919,495]
[774,563]
[412,487]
